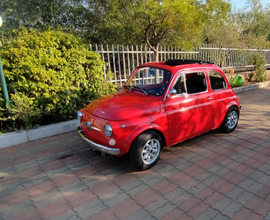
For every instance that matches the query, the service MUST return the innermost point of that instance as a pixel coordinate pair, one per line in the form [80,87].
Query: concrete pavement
[213,176]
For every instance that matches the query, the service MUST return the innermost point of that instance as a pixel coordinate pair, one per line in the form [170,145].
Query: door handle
[209,98]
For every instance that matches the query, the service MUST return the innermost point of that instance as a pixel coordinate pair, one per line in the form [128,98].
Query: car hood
[123,105]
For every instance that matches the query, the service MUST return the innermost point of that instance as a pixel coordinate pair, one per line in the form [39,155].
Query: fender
[232,103]
[140,129]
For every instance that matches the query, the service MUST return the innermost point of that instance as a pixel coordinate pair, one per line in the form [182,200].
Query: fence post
[128,61]
[119,65]
[124,65]
[114,67]
[108,57]
[102,57]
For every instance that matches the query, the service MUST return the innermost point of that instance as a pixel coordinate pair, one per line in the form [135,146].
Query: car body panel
[123,105]
[188,115]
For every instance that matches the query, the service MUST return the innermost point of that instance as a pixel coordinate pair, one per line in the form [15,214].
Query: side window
[217,81]
[195,82]
[179,85]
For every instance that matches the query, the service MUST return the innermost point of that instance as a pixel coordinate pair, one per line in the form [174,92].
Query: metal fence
[123,59]
[230,57]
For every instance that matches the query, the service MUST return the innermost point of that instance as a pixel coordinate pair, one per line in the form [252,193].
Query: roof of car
[177,64]
[184,62]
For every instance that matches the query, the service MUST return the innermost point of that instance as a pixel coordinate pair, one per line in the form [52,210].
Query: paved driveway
[214,176]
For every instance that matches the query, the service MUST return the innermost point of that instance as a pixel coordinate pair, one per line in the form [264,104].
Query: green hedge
[49,76]
[259,61]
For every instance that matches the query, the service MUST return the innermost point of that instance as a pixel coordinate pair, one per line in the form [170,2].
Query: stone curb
[14,138]
[251,87]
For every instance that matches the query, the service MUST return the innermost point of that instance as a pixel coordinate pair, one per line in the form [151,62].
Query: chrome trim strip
[97,129]
[94,128]
[99,147]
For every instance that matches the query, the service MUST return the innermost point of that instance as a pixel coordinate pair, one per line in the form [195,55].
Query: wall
[246,76]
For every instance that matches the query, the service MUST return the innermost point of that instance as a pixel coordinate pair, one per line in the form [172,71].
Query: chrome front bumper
[99,147]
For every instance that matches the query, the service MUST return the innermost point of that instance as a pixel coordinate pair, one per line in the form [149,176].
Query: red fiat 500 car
[161,104]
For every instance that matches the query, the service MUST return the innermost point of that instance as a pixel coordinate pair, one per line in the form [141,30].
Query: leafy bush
[49,76]
[259,61]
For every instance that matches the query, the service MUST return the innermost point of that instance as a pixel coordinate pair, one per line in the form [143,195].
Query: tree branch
[146,34]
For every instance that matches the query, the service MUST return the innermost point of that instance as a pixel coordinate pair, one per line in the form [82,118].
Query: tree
[152,22]
[39,14]
[253,24]
[156,22]
[218,25]
[226,36]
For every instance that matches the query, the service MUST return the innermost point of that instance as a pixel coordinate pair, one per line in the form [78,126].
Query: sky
[241,3]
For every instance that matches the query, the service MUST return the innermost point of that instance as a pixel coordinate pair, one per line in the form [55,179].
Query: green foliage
[24,111]
[216,12]
[181,23]
[259,61]
[49,76]
[253,24]
[227,35]
[40,14]
[153,22]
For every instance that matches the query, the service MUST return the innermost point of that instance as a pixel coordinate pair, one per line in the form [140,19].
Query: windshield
[150,80]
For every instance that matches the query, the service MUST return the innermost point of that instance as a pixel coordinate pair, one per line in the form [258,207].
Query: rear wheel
[231,120]
[145,150]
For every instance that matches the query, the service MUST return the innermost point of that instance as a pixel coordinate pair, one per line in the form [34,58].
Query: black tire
[231,120]
[145,150]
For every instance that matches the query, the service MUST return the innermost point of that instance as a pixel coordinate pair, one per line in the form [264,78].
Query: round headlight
[108,130]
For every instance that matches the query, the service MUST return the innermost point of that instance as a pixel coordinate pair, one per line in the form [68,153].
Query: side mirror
[173,92]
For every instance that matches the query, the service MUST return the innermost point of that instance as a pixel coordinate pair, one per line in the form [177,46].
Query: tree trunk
[156,53]
[156,56]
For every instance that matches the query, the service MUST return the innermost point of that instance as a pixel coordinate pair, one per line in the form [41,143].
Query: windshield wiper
[141,89]
[125,86]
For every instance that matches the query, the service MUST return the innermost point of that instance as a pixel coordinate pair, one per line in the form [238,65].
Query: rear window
[217,81]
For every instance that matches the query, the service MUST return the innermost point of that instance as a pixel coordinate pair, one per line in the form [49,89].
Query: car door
[189,111]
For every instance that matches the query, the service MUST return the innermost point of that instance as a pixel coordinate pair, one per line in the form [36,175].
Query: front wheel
[145,150]
[231,120]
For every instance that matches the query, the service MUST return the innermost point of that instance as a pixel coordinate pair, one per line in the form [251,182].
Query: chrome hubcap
[150,151]
[232,119]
